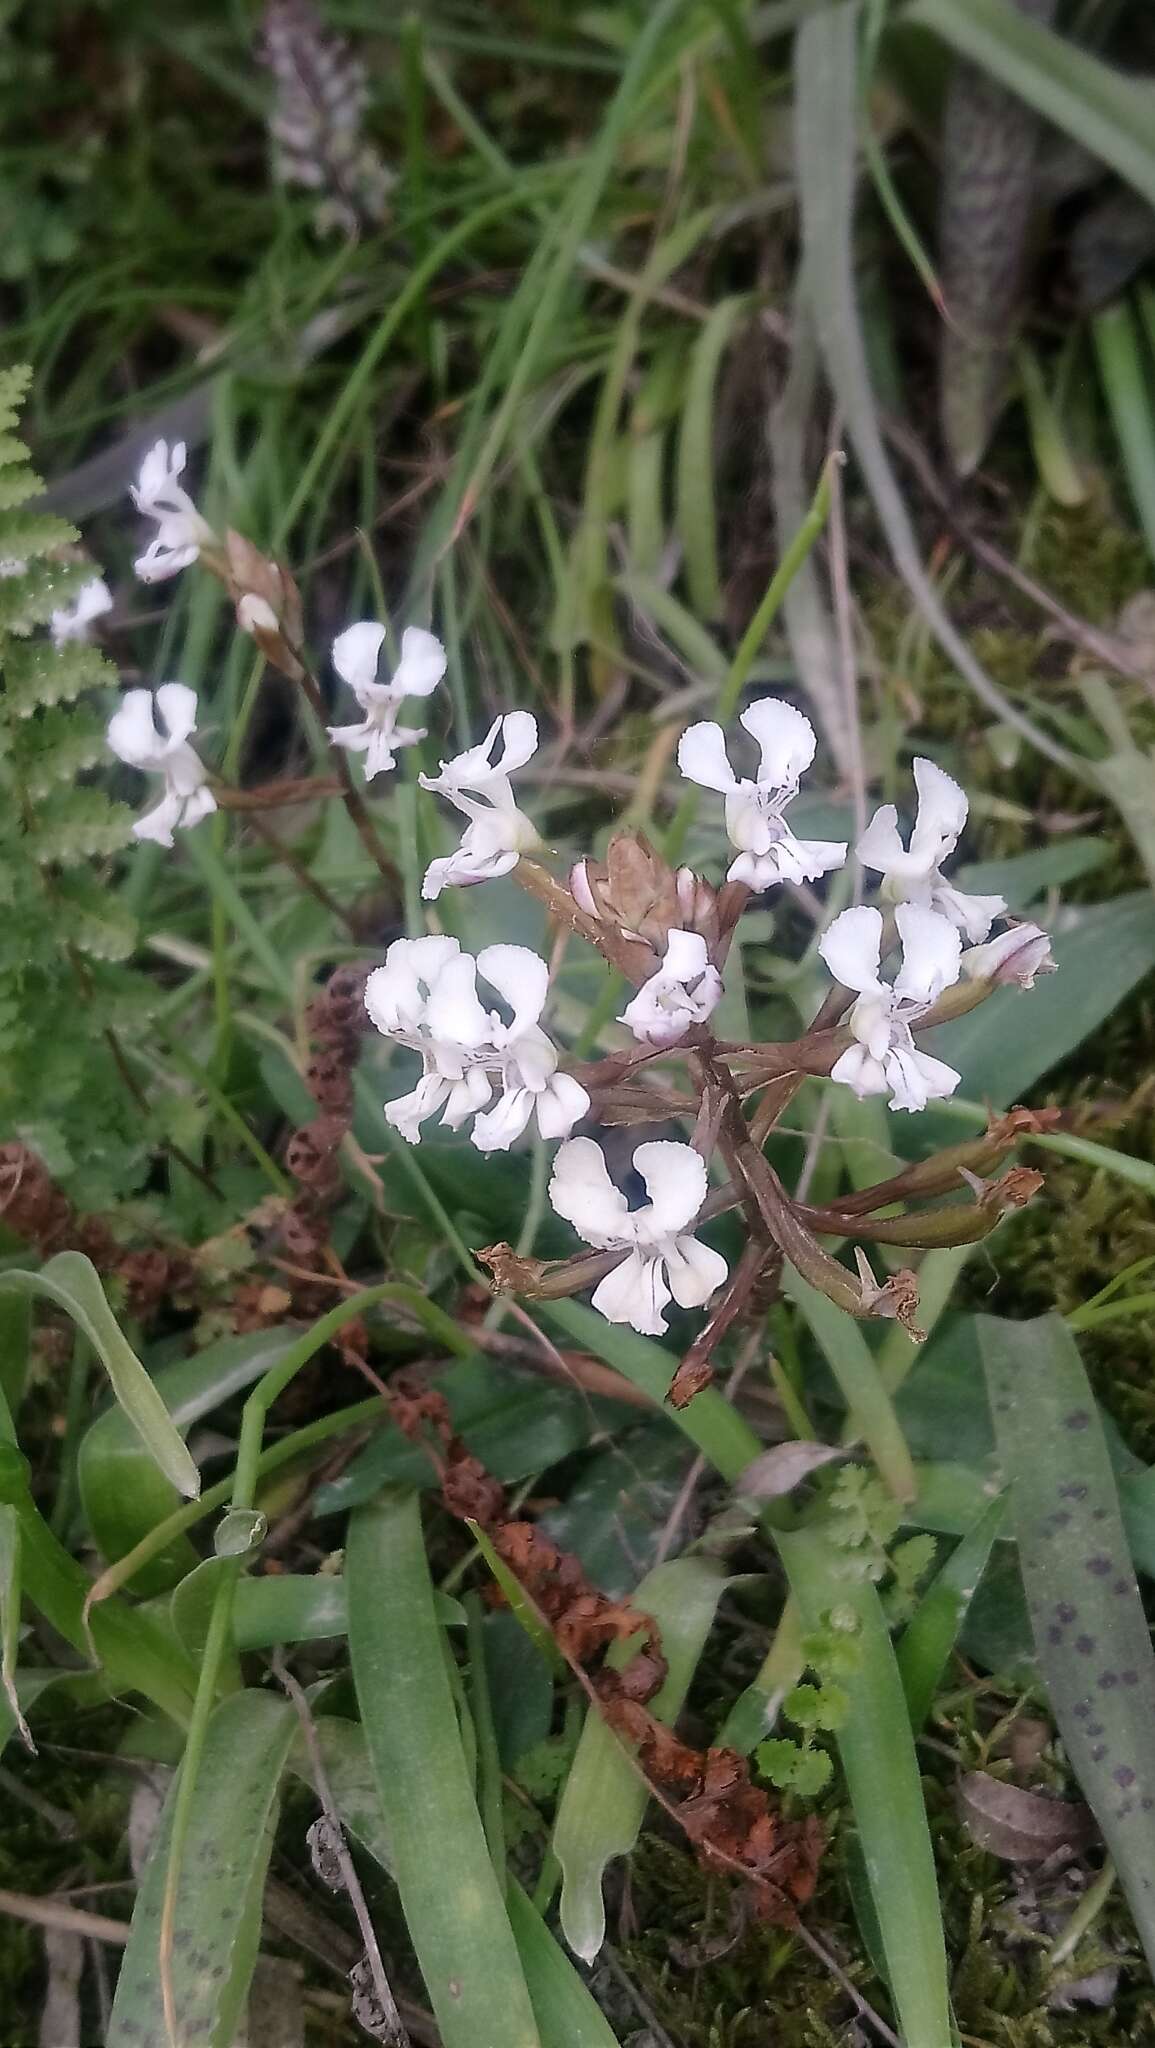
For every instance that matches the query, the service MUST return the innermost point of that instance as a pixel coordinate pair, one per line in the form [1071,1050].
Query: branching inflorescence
[488,1066]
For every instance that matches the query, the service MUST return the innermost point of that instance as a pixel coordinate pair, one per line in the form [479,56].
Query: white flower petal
[880,846]
[931,954]
[702,757]
[423,662]
[454,1012]
[852,947]
[407,1113]
[694,1271]
[636,1293]
[470,1092]
[581,1191]
[502,1125]
[132,734]
[856,1068]
[1014,957]
[201,804]
[941,814]
[177,705]
[159,824]
[973,916]
[561,1104]
[521,977]
[675,1180]
[916,1079]
[164,557]
[786,741]
[356,652]
[72,622]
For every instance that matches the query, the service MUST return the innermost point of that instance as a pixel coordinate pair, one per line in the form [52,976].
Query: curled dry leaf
[1020,1826]
[779,1470]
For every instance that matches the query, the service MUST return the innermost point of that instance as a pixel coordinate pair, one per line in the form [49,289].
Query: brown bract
[248,573]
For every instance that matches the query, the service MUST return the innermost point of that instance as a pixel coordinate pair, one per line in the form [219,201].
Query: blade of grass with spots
[451,1894]
[1091,1635]
[217,1914]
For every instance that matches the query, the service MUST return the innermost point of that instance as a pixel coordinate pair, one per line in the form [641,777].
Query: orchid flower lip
[684,991]
[181,532]
[663,1260]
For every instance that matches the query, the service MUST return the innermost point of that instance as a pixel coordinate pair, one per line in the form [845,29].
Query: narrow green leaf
[709,1421]
[870,1409]
[567,2015]
[1127,390]
[72,1283]
[933,1629]
[696,511]
[10,1616]
[15,1331]
[217,1920]
[876,1746]
[605,1797]
[1087,1618]
[123,1493]
[449,1890]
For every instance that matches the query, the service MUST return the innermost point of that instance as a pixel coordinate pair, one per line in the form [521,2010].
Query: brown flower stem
[934,1230]
[351,797]
[275,796]
[695,1370]
[307,881]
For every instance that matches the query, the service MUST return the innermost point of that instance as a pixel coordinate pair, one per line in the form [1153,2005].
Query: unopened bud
[1014,957]
[580,890]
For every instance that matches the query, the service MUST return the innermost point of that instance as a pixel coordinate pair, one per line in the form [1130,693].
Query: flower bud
[1014,957]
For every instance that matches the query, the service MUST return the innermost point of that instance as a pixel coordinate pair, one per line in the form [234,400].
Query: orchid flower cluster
[488,1065]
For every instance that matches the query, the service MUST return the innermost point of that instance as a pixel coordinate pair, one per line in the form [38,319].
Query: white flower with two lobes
[768,851]
[356,653]
[913,873]
[477,784]
[884,1059]
[152,731]
[664,1261]
[181,533]
[425,997]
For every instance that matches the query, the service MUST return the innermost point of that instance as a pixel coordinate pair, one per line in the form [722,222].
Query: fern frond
[55,747]
[75,825]
[40,675]
[93,919]
[14,386]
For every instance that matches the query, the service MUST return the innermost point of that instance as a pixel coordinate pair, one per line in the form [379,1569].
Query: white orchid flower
[74,621]
[425,997]
[153,732]
[378,736]
[684,991]
[913,874]
[768,851]
[665,1260]
[477,783]
[1014,957]
[181,533]
[884,1058]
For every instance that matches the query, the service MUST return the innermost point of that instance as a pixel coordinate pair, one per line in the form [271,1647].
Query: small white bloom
[181,533]
[884,1058]
[1015,956]
[425,997]
[665,1260]
[73,621]
[356,653]
[913,874]
[477,783]
[683,992]
[768,851]
[153,733]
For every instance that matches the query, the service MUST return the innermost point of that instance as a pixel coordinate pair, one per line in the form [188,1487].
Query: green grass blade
[1127,390]
[218,1902]
[605,1798]
[696,510]
[1091,1635]
[1111,115]
[709,1421]
[876,1746]
[567,2015]
[933,1629]
[10,1549]
[870,1411]
[449,1890]
[71,1282]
